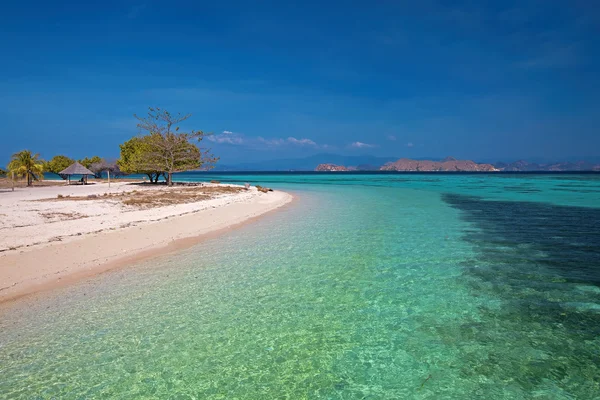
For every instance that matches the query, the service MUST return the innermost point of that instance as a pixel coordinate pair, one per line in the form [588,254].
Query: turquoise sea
[374,286]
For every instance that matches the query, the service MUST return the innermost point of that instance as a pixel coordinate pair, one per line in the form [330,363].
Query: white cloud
[409,144]
[301,142]
[271,142]
[226,137]
[361,145]
[233,138]
[290,140]
[392,138]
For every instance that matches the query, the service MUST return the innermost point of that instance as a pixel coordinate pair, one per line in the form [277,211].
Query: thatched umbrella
[76,169]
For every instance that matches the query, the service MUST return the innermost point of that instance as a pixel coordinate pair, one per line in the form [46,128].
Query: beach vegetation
[58,163]
[88,161]
[150,198]
[164,148]
[25,164]
[263,189]
[2,172]
[133,159]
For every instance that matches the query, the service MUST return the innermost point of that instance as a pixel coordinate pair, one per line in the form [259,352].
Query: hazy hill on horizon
[373,163]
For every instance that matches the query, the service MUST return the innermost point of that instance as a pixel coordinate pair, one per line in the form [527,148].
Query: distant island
[331,168]
[450,164]
[328,162]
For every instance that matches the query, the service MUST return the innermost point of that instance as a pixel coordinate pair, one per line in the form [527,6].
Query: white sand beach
[53,235]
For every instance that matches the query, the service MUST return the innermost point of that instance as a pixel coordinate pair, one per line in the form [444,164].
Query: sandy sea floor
[54,234]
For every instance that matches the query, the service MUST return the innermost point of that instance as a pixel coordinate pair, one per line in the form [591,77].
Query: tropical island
[63,220]
[134,206]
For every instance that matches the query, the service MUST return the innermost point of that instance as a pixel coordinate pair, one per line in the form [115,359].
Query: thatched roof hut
[76,169]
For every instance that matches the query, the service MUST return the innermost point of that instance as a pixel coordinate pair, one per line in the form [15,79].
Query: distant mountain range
[336,162]
[523,165]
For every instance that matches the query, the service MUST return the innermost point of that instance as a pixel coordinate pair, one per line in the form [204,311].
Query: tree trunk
[169,178]
[29,178]
[153,177]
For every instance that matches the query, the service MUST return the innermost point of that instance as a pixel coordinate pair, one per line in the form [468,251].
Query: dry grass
[263,189]
[149,199]
[161,196]
[220,189]
[61,216]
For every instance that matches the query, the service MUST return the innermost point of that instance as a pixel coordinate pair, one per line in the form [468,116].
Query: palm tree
[24,163]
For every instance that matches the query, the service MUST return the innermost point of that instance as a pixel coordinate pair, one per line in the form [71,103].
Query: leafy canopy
[26,164]
[58,163]
[133,155]
[163,148]
[87,162]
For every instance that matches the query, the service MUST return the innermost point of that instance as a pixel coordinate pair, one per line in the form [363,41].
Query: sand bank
[47,240]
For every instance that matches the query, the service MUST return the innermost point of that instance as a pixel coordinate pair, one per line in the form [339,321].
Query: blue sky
[500,80]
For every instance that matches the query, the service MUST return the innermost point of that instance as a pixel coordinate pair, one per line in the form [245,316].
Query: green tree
[164,149]
[134,157]
[57,164]
[87,162]
[173,152]
[26,164]
[2,172]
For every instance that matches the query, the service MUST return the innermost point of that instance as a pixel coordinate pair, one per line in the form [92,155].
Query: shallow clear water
[366,287]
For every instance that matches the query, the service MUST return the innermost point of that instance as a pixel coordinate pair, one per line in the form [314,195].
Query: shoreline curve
[36,270]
